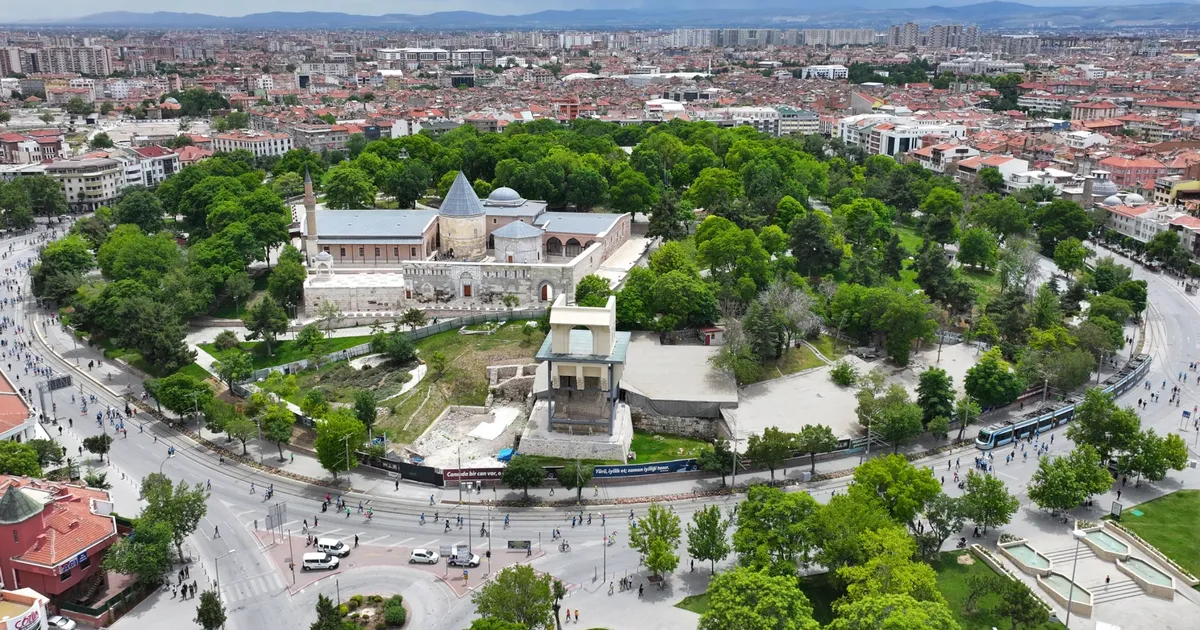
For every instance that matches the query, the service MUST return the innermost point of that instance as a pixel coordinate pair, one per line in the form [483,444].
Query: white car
[59,622]
[425,556]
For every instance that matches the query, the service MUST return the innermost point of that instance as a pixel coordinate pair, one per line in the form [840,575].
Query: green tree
[314,404]
[592,290]
[329,615]
[286,283]
[837,528]
[365,407]
[241,428]
[991,382]
[987,501]
[1070,254]
[977,247]
[890,569]
[339,435]
[45,196]
[992,179]
[815,439]
[1064,482]
[1165,247]
[772,530]
[753,600]
[266,319]
[944,514]
[355,144]
[238,286]
[716,459]
[233,365]
[902,489]
[1020,605]
[96,445]
[1110,306]
[181,505]
[101,141]
[146,555]
[706,536]
[812,245]
[413,318]
[438,362]
[49,451]
[893,611]
[346,186]
[1152,456]
[311,340]
[406,181]
[22,459]
[1099,423]
[524,473]
[668,220]
[575,478]
[141,208]
[656,535]
[935,394]
[518,595]
[180,393]
[770,448]
[210,613]
[277,426]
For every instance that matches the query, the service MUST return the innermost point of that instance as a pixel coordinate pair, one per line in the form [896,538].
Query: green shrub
[375,599]
[844,374]
[344,609]
[352,605]
[357,600]
[395,600]
[395,616]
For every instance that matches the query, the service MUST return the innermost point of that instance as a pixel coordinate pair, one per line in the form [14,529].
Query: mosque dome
[1112,201]
[1134,199]
[1104,187]
[461,200]
[504,193]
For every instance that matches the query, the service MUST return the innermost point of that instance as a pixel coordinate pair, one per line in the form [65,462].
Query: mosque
[464,255]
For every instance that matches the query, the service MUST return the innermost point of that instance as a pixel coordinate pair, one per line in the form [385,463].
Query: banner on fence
[469,474]
[520,544]
[406,470]
[655,468]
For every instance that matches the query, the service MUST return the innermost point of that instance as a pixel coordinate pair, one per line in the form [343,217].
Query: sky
[15,10]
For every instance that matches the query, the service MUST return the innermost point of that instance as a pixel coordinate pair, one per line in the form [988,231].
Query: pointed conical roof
[16,506]
[461,201]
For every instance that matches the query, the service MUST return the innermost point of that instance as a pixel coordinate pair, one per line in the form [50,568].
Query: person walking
[216,532]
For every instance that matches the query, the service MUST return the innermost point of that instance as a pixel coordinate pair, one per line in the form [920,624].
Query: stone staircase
[1064,557]
[1122,588]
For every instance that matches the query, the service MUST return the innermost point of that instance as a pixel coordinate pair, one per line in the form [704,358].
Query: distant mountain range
[676,13]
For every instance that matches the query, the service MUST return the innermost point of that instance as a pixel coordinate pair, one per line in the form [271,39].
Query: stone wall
[538,440]
[703,428]
[511,382]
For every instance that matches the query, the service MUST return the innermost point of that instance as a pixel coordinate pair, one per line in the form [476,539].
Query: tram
[1044,418]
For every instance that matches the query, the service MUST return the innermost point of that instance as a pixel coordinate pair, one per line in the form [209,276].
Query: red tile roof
[70,525]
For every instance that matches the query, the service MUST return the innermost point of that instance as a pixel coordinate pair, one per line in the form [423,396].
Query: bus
[1060,412]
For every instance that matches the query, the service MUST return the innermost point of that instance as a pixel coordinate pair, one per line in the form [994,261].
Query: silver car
[59,622]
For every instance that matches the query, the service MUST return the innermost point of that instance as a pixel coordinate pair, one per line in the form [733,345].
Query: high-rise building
[95,60]
[904,35]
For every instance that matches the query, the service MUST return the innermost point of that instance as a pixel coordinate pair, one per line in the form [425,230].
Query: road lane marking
[401,542]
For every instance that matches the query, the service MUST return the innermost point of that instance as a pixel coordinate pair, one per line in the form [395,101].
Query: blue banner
[655,468]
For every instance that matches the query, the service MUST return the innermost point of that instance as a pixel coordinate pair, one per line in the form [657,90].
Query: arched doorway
[572,248]
[491,241]
[508,255]
[465,285]
[588,244]
[554,247]
[546,292]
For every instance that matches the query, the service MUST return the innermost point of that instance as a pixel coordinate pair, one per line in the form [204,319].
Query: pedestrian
[356,540]
[1107,578]
[216,532]
[174,592]
[640,587]
[397,484]
[1118,495]
[576,615]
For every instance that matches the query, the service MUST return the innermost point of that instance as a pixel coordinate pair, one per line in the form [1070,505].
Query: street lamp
[217,577]
[1079,535]
[160,466]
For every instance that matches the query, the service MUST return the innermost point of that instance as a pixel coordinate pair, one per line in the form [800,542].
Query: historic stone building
[466,254]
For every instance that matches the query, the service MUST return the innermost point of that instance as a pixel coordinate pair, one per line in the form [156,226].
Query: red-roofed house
[157,163]
[1127,172]
[30,148]
[1093,111]
[52,535]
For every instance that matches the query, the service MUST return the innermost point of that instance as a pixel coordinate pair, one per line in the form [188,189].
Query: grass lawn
[986,283]
[465,381]
[288,351]
[195,371]
[799,359]
[909,239]
[1169,523]
[825,344]
[952,582]
[695,603]
[651,447]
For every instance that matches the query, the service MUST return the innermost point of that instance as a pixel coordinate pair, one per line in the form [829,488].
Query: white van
[333,547]
[318,560]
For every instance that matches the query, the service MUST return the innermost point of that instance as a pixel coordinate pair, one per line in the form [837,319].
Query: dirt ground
[446,440]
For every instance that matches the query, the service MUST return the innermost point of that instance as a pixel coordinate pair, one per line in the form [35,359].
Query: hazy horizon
[65,9]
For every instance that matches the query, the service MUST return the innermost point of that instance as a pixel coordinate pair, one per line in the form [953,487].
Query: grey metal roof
[340,224]
[528,208]
[581,349]
[16,506]
[577,222]
[518,229]
[461,200]
[504,193]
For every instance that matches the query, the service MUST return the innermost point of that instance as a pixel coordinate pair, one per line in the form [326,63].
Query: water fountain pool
[1061,584]
[1028,556]
[1107,541]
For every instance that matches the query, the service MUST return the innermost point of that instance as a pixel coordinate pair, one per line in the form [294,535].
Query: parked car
[423,556]
[59,622]
[472,562]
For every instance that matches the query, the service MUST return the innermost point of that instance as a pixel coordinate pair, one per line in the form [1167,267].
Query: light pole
[160,466]
[217,576]
[1079,535]
[733,467]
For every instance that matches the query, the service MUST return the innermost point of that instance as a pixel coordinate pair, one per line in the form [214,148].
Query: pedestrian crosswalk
[269,583]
